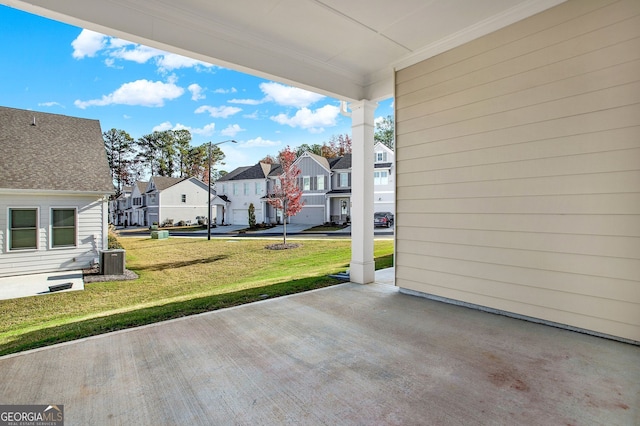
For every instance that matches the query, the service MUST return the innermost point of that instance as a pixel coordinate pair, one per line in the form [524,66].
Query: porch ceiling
[345,49]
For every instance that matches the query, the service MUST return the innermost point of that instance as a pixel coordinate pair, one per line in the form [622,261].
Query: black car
[384,219]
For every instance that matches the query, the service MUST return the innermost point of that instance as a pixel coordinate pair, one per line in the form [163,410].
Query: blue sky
[58,68]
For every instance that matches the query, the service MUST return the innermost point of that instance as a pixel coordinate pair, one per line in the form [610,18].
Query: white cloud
[259,142]
[140,92]
[203,131]
[88,43]
[232,130]
[246,101]
[218,112]
[139,54]
[196,92]
[171,61]
[162,127]
[225,91]
[51,104]
[289,96]
[314,121]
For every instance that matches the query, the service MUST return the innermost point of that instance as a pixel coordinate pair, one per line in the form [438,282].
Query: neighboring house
[134,214]
[245,185]
[314,180]
[117,206]
[54,188]
[384,194]
[168,200]
[339,195]
[325,184]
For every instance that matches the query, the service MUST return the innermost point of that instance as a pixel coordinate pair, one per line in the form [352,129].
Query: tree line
[161,153]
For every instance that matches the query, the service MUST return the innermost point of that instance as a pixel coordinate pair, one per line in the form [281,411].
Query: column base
[362,273]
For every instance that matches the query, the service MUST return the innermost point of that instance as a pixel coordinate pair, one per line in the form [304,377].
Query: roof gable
[41,151]
[160,183]
[317,158]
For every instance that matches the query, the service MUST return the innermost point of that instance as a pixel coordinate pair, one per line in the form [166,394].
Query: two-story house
[314,180]
[325,184]
[338,197]
[135,207]
[118,205]
[242,187]
[169,200]
[384,194]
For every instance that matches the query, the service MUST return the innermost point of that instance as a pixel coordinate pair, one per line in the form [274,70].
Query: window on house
[246,188]
[381,178]
[381,157]
[258,188]
[236,190]
[63,227]
[320,183]
[23,229]
[224,189]
[306,183]
[183,198]
[343,180]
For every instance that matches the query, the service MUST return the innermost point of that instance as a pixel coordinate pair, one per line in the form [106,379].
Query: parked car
[384,219]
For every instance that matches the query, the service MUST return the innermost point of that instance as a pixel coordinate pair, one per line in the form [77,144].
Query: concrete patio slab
[38,284]
[347,355]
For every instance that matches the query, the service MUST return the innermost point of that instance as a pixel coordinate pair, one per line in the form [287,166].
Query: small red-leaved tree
[286,195]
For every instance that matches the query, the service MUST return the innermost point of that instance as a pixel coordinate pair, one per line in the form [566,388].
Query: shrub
[112,239]
[252,216]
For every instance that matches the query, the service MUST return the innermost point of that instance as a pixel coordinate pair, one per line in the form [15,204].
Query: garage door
[240,217]
[310,215]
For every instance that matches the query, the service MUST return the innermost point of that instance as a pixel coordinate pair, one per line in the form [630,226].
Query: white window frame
[236,189]
[344,184]
[381,157]
[246,188]
[306,183]
[320,183]
[9,233]
[75,226]
[381,177]
[258,188]
[183,198]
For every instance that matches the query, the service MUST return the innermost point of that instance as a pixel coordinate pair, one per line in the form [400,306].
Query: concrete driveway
[344,355]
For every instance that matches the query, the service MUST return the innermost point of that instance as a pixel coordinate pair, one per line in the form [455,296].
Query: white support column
[362,268]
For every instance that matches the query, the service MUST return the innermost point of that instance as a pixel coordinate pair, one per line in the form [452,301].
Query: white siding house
[172,200]
[242,187]
[54,184]
[384,194]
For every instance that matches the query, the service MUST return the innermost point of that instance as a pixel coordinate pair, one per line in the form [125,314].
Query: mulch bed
[282,246]
[92,275]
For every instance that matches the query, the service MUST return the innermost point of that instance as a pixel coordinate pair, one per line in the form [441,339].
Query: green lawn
[178,277]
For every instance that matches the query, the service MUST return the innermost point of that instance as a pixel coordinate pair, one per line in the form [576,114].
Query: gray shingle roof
[163,182]
[341,163]
[58,153]
[256,171]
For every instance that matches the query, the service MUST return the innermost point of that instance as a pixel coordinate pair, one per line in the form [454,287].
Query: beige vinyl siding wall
[518,169]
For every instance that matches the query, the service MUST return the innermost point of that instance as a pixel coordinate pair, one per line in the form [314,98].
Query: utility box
[159,235]
[112,262]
